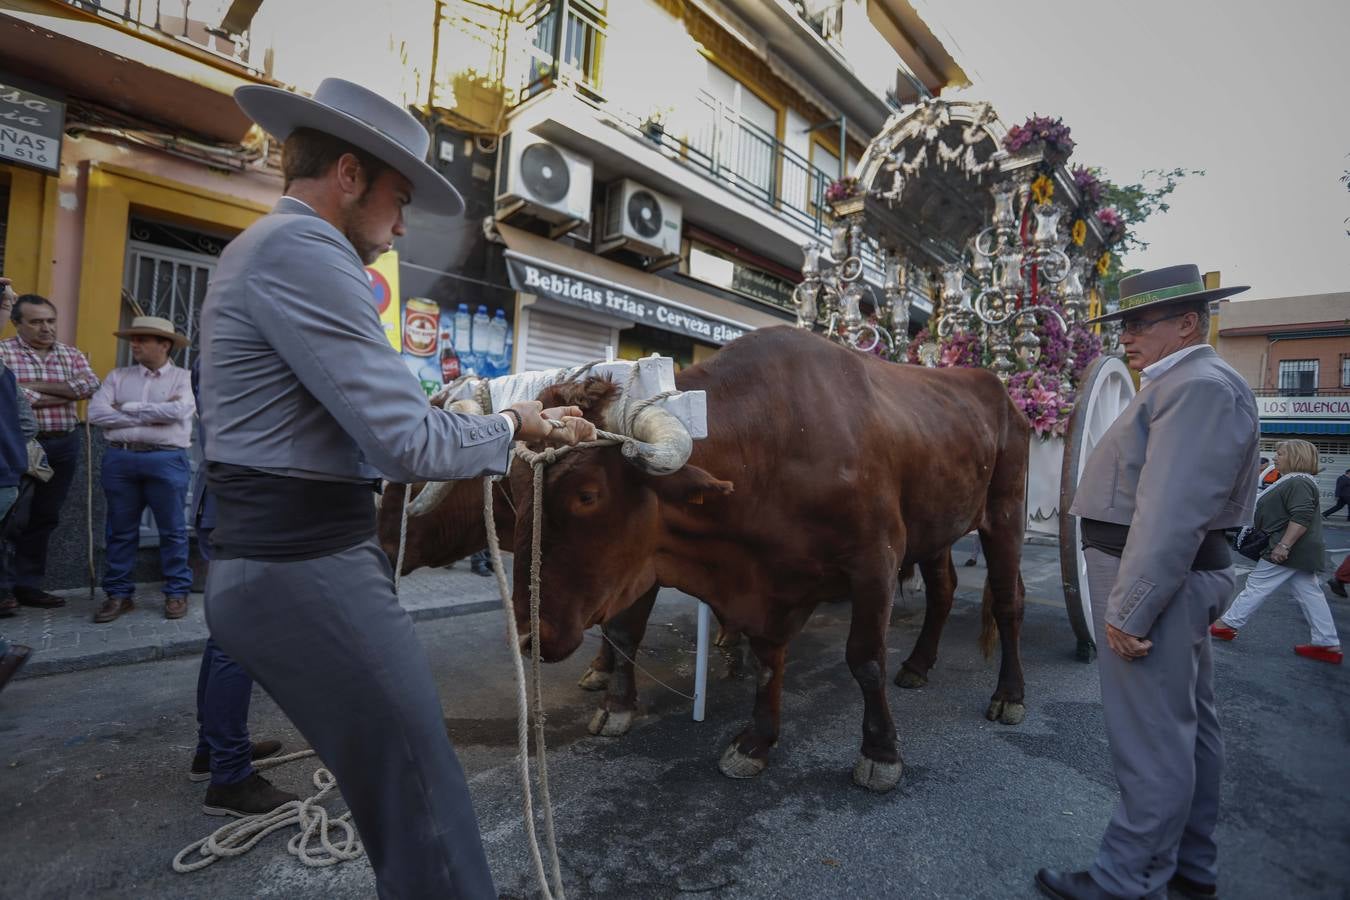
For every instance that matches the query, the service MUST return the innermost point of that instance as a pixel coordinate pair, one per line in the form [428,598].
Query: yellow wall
[111,194]
[31,229]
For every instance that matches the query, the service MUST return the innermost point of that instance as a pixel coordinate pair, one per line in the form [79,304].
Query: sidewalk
[67,640]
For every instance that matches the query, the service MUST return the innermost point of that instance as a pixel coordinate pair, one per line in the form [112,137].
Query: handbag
[1252,542]
[38,467]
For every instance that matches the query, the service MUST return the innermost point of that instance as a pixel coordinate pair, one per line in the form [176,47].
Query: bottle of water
[462,344]
[480,332]
[497,335]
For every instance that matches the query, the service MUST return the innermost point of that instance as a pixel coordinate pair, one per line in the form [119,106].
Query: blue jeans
[223,693]
[131,482]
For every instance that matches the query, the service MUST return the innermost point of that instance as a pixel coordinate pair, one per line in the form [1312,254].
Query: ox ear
[690,485]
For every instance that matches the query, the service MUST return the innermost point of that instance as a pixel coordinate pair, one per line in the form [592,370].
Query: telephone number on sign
[25,153]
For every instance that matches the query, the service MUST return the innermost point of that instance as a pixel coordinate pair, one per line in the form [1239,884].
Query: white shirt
[154,406]
[1158,368]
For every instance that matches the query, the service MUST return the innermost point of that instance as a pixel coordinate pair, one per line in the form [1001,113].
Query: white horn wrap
[662,445]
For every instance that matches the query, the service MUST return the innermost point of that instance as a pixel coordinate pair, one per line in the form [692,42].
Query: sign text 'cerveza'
[569,288]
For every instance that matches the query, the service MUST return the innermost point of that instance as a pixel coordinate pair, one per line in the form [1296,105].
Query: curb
[38,667]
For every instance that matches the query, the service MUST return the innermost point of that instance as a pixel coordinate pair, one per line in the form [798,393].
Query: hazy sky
[1255,93]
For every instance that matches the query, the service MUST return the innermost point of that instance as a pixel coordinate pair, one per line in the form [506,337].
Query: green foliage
[1136,202]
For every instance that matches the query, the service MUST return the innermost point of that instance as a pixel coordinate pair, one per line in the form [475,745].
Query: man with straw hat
[1174,470]
[305,406]
[145,411]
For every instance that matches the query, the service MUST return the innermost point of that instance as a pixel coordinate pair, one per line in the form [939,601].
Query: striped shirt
[61,363]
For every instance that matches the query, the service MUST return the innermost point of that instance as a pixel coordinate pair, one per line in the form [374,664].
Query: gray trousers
[1166,744]
[327,639]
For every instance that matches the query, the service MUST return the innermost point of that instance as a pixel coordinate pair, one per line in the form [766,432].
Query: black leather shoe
[12,662]
[253,796]
[1181,886]
[1070,886]
[201,762]
[484,569]
[37,598]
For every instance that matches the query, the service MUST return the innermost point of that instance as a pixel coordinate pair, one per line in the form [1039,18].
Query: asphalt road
[94,799]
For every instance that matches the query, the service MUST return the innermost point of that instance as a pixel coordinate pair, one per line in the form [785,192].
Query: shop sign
[30,128]
[714,268]
[1333,408]
[565,286]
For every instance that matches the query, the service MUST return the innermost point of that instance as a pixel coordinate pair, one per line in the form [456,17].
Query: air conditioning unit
[639,219]
[543,180]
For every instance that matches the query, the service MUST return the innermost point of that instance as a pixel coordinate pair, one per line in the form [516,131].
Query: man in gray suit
[1175,469]
[305,407]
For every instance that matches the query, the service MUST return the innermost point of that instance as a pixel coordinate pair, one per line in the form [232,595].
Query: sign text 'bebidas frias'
[574,290]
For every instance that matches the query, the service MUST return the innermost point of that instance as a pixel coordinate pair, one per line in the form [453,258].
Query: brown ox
[453,529]
[842,470]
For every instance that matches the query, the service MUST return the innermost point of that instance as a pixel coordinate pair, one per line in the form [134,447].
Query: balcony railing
[170,18]
[572,57]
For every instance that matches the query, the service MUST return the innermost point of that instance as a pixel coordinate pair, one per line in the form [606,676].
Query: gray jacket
[297,376]
[1181,460]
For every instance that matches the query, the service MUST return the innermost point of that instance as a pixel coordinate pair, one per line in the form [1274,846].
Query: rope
[402,536]
[638,666]
[241,835]
[89,503]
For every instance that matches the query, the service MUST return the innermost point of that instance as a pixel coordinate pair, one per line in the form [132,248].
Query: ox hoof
[876,776]
[1006,711]
[610,723]
[910,679]
[594,680]
[736,764]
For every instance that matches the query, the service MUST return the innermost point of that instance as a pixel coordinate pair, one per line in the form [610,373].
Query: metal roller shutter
[555,341]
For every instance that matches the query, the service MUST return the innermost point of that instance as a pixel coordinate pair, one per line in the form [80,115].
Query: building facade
[1295,354]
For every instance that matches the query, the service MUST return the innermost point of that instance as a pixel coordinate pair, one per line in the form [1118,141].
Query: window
[1298,376]
[582,46]
[739,132]
[1345,370]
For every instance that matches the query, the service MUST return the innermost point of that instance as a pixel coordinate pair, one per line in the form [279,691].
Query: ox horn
[435,492]
[662,444]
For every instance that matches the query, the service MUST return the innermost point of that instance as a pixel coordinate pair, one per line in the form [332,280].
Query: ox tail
[988,627]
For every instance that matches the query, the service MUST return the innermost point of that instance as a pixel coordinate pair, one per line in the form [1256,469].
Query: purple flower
[1090,187]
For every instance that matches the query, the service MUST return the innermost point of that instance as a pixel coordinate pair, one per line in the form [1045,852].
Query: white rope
[402,536]
[237,837]
[523,714]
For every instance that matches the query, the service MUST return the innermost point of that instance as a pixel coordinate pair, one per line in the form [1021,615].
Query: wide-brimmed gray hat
[1164,287]
[364,119]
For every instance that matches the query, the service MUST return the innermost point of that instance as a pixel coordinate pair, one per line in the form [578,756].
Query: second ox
[824,473]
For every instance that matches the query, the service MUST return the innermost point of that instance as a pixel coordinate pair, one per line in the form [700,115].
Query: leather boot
[112,608]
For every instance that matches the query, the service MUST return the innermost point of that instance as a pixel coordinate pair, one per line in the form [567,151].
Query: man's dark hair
[308,153]
[16,314]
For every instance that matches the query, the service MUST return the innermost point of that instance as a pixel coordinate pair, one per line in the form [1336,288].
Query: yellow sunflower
[1042,189]
[1104,264]
[1079,232]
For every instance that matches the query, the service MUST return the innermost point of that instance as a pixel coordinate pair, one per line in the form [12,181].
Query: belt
[52,435]
[141,448]
[1110,538]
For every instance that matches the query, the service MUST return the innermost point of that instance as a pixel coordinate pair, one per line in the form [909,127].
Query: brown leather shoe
[175,607]
[112,608]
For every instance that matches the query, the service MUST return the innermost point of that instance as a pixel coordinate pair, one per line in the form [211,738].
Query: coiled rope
[241,835]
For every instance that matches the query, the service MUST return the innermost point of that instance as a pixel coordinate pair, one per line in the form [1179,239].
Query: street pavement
[95,802]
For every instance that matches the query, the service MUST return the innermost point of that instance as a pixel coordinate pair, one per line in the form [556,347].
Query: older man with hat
[305,406]
[1176,468]
[145,411]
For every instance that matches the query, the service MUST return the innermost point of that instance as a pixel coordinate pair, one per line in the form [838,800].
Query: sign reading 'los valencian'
[30,128]
[1304,407]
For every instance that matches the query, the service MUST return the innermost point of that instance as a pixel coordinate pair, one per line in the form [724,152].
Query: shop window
[1298,376]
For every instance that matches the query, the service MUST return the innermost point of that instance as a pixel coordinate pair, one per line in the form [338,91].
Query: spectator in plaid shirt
[52,376]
